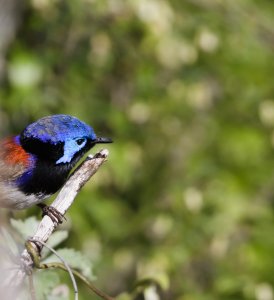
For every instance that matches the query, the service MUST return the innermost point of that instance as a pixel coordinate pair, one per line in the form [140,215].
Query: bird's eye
[80,141]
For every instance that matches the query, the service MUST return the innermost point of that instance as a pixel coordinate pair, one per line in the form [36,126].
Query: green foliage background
[185,89]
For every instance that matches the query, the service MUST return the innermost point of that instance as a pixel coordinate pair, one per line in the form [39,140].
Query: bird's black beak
[103,140]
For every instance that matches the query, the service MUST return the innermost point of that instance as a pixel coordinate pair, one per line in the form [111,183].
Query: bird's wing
[14,160]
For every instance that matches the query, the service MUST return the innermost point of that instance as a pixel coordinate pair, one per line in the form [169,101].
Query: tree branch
[62,203]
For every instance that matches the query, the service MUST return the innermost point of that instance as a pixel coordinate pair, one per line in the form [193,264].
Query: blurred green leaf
[75,260]
[25,227]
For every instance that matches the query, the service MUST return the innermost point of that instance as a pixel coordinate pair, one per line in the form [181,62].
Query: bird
[36,163]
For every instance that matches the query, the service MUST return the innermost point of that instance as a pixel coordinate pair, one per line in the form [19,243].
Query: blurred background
[185,89]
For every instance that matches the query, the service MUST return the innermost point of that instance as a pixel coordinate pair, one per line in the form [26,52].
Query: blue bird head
[61,139]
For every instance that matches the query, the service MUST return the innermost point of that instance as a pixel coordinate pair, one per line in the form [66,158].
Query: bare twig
[67,267]
[62,203]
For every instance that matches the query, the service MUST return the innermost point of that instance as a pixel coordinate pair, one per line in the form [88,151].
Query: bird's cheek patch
[70,148]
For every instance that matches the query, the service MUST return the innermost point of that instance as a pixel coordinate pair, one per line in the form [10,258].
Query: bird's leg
[51,212]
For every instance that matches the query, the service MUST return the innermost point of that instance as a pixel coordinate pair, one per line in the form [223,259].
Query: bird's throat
[45,179]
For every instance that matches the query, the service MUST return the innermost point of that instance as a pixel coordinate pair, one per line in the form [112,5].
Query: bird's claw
[52,213]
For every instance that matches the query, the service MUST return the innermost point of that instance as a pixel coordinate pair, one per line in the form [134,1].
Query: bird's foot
[51,212]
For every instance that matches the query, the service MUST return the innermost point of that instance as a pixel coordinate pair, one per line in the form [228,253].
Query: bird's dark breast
[45,179]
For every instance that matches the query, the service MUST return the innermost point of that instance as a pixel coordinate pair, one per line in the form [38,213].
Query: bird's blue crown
[58,128]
